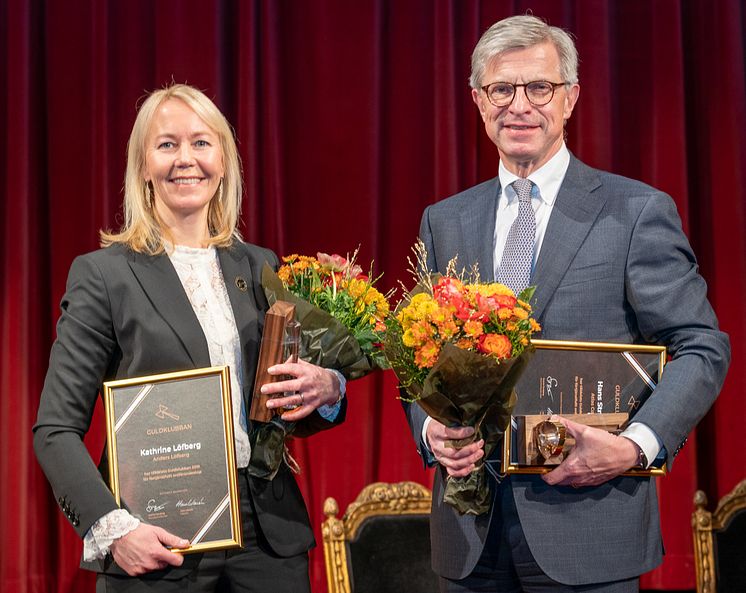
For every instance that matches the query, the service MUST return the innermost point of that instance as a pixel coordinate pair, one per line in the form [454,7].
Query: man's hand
[143,549]
[597,457]
[458,462]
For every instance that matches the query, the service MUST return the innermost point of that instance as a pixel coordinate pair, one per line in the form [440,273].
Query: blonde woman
[176,288]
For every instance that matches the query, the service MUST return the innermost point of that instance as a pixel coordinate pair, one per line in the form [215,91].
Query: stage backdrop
[351,117]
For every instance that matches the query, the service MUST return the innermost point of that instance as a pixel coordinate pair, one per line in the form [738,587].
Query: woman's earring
[149,194]
[220,190]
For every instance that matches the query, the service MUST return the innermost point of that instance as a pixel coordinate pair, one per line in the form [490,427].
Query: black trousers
[251,569]
[508,566]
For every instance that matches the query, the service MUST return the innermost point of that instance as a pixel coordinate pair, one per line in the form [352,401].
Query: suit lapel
[239,282]
[161,283]
[478,230]
[573,215]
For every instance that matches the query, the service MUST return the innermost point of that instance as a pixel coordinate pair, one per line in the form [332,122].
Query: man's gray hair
[520,32]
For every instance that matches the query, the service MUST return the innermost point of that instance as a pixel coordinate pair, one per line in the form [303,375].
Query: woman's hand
[308,387]
[144,549]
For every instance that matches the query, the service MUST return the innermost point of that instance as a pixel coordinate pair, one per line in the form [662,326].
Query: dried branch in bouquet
[418,269]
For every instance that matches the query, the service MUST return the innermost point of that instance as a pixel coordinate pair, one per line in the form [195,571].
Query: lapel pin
[241,284]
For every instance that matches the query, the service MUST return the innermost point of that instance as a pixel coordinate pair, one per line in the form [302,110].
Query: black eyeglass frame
[554,85]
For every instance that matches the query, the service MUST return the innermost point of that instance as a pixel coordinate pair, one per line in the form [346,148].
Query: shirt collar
[547,178]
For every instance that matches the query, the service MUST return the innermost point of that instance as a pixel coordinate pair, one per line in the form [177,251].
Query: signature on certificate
[154,507]
[549,383]
[191,502]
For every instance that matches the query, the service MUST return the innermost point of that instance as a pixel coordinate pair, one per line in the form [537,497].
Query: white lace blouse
[200,274]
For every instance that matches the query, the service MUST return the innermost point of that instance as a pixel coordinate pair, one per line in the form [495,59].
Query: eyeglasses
[538,92]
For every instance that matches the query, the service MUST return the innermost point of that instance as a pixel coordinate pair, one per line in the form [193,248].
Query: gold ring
[549,438]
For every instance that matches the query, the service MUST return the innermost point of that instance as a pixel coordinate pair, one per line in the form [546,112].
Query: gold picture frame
[573,361]
[172,460]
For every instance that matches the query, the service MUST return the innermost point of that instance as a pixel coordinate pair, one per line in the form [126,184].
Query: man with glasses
[611,264]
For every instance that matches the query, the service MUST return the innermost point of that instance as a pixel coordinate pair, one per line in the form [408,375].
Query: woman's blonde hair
[142,230]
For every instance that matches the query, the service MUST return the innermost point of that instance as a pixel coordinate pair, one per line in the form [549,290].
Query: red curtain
[351,118]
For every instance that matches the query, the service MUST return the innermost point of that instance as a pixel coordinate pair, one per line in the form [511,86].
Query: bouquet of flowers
[458,347]
[343,321]
[341,313]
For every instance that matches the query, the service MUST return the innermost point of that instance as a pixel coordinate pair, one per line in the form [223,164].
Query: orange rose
[496,345]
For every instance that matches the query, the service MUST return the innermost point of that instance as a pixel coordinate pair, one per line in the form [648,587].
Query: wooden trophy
[536,446]
[271,352]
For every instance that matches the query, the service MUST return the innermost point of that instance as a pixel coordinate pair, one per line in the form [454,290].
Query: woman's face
[184,162]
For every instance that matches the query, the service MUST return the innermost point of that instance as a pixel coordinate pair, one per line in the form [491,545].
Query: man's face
[526,136]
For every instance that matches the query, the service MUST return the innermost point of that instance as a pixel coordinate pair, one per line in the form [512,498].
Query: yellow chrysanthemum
[447,329]
[520,313]
[422,331]
[492,289]
[284,274]
[473,328]
[421,297]
[357,288]
[408,339]
[426,356]
[504,313]
[423,304]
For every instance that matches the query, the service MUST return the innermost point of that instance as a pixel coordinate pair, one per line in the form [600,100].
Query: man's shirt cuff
[644,437]
[427,454]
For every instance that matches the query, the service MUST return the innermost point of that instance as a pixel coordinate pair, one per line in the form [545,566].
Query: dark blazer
[614,266]
[126,314]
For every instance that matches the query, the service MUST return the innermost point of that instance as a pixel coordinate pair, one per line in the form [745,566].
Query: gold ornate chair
[382,543]
[720,542]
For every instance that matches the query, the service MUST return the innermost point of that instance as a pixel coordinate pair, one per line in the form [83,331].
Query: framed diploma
[172,456]
[597,384]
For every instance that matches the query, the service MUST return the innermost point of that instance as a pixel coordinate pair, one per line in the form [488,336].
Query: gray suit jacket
[614,266]
[126,314]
